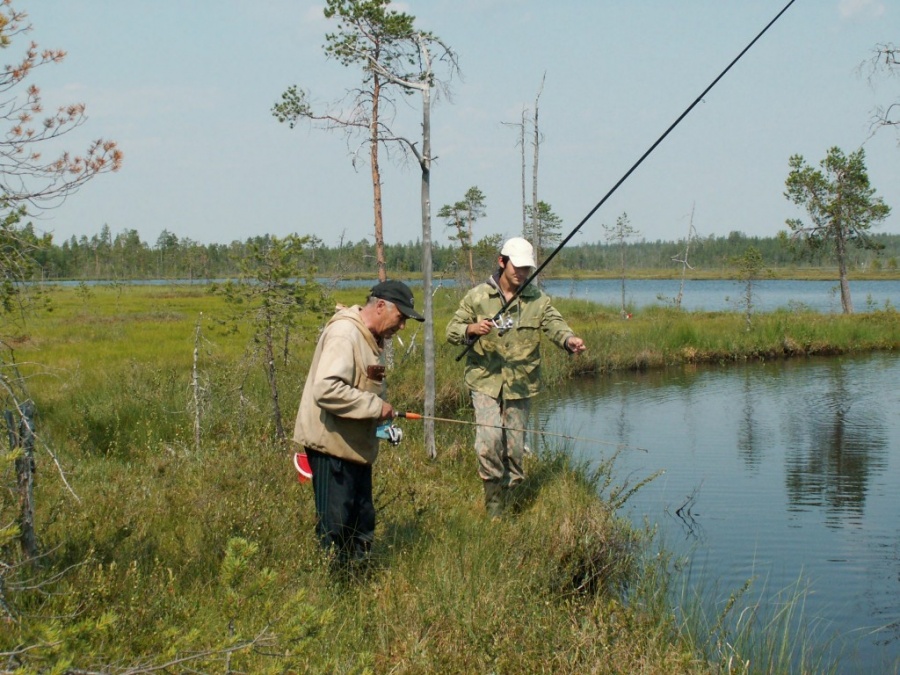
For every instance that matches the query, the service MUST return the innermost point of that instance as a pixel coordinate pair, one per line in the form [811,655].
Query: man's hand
[387,411]
[483,327]
[575,345]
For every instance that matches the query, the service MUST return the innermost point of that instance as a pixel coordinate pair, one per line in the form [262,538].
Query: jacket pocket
[526,336]
[373,385]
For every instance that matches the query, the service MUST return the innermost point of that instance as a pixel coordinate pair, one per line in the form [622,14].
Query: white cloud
[852,9]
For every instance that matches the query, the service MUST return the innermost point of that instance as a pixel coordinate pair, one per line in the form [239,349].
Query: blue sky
[186,89]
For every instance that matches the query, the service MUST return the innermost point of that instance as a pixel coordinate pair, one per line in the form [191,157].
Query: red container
[301,463]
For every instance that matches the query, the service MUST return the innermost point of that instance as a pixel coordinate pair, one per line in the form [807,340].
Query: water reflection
[751,439]
[772,472]
[837,440]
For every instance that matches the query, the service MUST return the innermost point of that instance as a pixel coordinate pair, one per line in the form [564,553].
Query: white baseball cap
[519,251]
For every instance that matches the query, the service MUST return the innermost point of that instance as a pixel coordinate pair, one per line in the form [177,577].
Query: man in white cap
[503,366]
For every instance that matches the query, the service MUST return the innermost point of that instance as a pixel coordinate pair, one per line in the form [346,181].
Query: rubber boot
[512,498]
[493,499]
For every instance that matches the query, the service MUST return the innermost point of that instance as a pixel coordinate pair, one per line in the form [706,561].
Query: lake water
[783,473]
[721,295]
[706,295]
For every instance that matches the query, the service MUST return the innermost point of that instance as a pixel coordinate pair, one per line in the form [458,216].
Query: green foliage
[276,283]
[205,559]
[381,42]
[369,29]
[749,266]
[462,216]
[28,180]
[250,621]
[544,228]
[130,258]
[841,204]
[618,235]
[659,336]
[748,635]
[294,106]
[18,301]
[19,249]
[270,298]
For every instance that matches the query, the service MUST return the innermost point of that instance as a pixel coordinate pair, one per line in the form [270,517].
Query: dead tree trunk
[21,438]
[195,384]
[427,263]
[685,265]
[272,377]
[536,235]
[521,142]
[376,178]
[522,145]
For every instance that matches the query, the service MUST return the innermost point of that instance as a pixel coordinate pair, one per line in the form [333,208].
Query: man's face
[391,319]
[514,276]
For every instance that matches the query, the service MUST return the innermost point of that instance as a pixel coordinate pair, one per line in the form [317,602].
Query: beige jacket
[344,391]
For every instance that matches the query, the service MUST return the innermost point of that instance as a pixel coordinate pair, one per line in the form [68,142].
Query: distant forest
[126,257]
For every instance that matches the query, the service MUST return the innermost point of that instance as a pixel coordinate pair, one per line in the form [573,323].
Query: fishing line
[628,173]
[417,416]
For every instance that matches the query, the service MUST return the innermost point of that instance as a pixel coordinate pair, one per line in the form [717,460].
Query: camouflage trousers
[500,438]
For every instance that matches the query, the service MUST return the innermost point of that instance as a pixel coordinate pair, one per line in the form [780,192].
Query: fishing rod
[518,292]
[417,416]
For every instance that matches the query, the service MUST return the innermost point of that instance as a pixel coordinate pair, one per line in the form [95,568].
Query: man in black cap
[343,401]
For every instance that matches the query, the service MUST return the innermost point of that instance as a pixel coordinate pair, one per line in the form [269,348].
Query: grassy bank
[162,551]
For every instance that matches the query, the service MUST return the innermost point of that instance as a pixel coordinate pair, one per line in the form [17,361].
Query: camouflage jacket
[507,364]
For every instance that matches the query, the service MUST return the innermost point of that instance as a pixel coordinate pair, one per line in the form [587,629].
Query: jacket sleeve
[464,315]
[555,327]
[334,387]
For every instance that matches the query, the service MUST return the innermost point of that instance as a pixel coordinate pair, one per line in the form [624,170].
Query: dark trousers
[344,508]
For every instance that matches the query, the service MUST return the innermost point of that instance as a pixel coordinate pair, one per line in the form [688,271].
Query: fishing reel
[388,431]
[503,324]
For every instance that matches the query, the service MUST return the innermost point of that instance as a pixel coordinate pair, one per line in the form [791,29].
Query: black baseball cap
[398,293]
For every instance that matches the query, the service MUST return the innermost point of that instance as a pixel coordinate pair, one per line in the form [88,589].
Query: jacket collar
[352,314]
[494,282]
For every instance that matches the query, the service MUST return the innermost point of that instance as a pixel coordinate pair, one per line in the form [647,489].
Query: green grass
[752,632]
[157,549]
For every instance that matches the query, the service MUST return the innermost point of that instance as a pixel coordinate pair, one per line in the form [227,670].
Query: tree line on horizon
[127,257]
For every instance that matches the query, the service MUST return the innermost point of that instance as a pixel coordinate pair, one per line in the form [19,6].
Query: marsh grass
[659,337]
[755,630]
[169,551]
